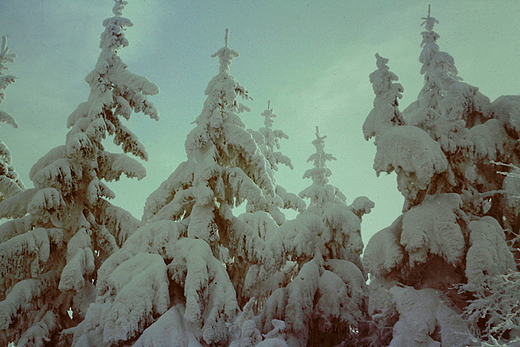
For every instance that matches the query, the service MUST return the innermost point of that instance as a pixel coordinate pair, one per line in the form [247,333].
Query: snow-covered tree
[268,140]
[450,243]
[271,143]
[63,229]
[385,113]
[181,277]
[323,302]
[10,183]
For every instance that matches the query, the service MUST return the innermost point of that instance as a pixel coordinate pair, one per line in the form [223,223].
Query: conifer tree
[385,113]
[449,243]
[10,183]
[269,143]
[324,300]
[64,228]
[186,266]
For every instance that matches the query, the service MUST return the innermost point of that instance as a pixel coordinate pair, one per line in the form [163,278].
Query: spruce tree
[63,229]
[268,140]
[180,277]
[323,302]
[385,113]
[10,183]
[439,255]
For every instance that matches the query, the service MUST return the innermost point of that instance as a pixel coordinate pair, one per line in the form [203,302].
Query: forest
[224,255]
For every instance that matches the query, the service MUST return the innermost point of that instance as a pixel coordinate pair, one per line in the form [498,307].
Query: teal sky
[310,58]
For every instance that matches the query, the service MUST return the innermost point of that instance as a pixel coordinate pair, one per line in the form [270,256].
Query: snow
[383,251]
[169,330]
[210,296]
[488,139]
[15,227]
[300,297]
[181,178]
[24,297]
[53,155]
[361,205]
[62,173]
[511,186]
[80,262]
[16,205]
[433,227]
[119,222]
[116,164]
[413,155]
[38,334]
[47,200]
[135,292]
[273,342]
[488,254]
[420,313]
[507,110]
[25,251]
[385,113]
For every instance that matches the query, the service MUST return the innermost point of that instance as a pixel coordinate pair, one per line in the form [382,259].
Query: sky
[311,59]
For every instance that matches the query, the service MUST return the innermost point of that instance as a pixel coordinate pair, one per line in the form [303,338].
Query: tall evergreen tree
[448,237]
[385,113]
[269,143]
[324,300]
[10,183]
[185,267]
[64,228]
